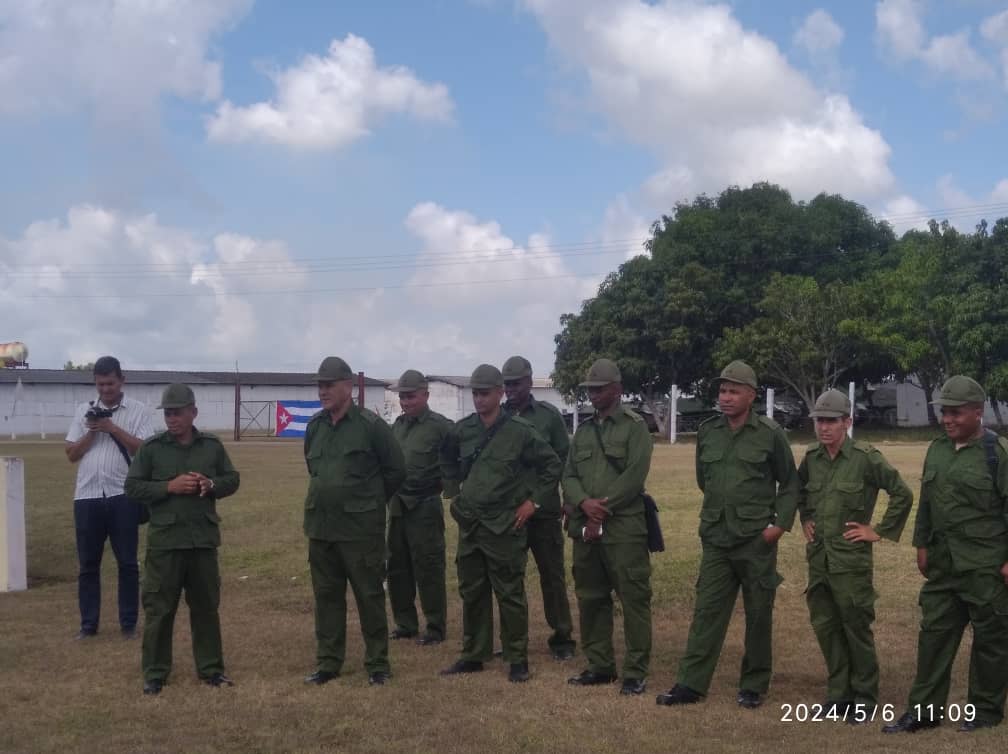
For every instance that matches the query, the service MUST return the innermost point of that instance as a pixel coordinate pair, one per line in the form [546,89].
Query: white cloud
[899,28]
[328,102]
[714,101]
[900,32]
[904,213]
[495,319]
[158,296]
[103,281]
[623,227]
[964,210]
[995,28]
[114,57]
[819,33]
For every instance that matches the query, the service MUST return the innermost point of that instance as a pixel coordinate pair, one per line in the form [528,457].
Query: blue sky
[431,184]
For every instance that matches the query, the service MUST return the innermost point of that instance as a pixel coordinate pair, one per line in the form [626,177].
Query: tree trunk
[928,389]
[996,407]
[661,420]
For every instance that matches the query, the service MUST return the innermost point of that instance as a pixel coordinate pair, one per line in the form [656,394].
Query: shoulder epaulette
[812,447]
[317,415]
[864,447]
[549,407]
[633,414]
[155,438]
[209,436]
[769,422]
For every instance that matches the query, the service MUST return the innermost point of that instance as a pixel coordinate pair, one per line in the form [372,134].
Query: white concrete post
[769,402]
[42,420]
[850,394]
[577,412]
[673,413]
[13,562]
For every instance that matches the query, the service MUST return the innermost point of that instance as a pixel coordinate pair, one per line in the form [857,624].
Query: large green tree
[661,316]
[800,337]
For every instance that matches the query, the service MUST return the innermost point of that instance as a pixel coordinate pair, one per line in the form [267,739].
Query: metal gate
[256,419]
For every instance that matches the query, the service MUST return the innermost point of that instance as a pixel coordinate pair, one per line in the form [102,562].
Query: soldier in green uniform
[485,465]
[545,534]
[841,480]
[416,533]
[746,471]
[355,466]
[179,475]
[961,536]
[603,485]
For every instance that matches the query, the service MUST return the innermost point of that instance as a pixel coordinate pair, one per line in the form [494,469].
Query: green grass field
[58,695]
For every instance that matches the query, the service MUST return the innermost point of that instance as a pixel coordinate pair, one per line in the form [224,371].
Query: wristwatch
[536,505]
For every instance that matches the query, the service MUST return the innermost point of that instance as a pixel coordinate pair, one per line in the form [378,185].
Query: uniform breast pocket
[978,489]
[852,494]
[163,471]
[358,462]
[753,462]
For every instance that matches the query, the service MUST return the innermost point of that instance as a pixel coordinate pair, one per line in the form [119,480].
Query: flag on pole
[292,417]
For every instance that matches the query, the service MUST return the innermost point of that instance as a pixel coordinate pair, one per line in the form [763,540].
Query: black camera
[95,413]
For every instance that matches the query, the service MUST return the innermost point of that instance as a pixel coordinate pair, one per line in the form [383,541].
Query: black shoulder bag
[655,540]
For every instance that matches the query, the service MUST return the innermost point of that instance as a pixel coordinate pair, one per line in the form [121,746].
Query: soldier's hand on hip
[594,508]
[524,513]
[860,532]
[808,529]
[922,563]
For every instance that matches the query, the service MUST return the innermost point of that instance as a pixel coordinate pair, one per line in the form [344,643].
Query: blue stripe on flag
[298,413]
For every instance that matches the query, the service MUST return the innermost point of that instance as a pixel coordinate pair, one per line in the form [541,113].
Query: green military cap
[410,380]
[960,390]
[831,405]
[516,367]
[601,373]
[740,372]
[177,396]
[486,376]
[333,369]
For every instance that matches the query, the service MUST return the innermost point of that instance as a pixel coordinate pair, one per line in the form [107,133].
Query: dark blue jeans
[115,519]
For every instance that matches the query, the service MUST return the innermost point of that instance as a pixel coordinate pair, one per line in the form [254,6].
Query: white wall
[49,408]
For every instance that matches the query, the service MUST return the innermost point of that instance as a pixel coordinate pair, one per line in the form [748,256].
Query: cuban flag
[292,417]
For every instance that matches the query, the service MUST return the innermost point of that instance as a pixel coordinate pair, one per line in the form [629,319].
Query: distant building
[43,401]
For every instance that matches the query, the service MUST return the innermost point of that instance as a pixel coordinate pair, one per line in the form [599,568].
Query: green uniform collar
[420,418]
[170,440]
[531,407]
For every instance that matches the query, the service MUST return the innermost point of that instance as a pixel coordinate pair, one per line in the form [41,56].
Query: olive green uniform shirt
[179,522]
[590,473]
[961,503]
[837,490]
[420,439]
[498,481]
[748,478]
[354,466]
[550,424]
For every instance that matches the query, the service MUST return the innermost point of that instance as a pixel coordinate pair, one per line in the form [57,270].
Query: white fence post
[850,394]
[673,413]
[769,402]
[13,562]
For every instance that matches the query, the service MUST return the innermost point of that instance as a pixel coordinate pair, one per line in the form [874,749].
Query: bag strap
[990,441]
[598,436]
[491,431]
[122,449]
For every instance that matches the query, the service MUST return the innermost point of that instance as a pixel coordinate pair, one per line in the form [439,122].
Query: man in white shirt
[103,437]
